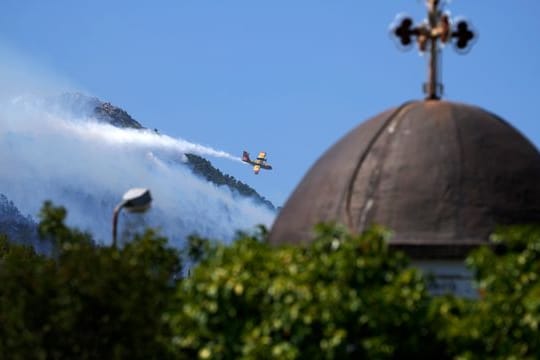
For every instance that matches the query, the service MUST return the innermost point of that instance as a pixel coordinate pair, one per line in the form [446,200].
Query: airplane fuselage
[263,164]
[258,164]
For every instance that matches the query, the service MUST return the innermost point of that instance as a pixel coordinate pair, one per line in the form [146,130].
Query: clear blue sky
[286,76]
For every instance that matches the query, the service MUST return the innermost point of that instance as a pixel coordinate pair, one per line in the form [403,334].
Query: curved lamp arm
[134,200]
[115,221]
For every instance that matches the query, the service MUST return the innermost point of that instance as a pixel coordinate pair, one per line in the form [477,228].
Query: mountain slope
[120,118]
[115,116]
[84,105]
[203,167]
[64,149]
[19,228]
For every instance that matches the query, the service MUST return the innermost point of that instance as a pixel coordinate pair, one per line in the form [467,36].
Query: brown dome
[440,175]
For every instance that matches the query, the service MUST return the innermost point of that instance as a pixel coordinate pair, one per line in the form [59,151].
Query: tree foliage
[87,301]
[351,297]
[504,322]
[342,296]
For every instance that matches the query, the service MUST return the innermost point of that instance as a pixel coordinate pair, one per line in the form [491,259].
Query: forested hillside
[203,167]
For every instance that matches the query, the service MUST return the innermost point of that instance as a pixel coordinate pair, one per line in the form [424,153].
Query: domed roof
[440,175]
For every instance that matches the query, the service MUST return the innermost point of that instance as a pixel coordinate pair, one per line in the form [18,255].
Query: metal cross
[437,28]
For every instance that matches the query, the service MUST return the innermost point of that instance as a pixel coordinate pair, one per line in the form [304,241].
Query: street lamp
[134,200]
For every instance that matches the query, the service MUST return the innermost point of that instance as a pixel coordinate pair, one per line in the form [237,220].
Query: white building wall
[448,277]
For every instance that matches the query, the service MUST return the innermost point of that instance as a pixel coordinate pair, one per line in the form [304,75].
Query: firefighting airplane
[259,163]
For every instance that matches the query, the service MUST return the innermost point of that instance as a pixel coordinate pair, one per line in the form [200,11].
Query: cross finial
[438,29]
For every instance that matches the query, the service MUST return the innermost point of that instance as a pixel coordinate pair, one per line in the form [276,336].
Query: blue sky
[286,77]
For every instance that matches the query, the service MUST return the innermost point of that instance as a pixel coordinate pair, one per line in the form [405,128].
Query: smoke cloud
[50,152]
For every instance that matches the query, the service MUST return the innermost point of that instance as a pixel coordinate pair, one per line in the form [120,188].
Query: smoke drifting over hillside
[49,151]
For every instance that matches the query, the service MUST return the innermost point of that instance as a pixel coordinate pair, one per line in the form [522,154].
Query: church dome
[440,175]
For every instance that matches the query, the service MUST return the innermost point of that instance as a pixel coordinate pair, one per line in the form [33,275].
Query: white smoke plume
[48,152]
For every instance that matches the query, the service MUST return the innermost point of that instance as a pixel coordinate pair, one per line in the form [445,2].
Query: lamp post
[134,200]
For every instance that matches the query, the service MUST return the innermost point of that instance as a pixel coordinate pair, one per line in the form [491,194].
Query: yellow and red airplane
[259,163]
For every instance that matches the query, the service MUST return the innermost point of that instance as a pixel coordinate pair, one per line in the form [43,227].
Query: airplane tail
[245,156]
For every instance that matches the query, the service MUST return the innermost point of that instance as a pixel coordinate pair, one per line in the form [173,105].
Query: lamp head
[137,200]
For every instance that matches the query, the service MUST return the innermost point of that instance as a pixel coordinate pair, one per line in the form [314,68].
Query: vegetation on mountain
[77,103]
[115,116]
[21,229]
[199,165]
[204,168]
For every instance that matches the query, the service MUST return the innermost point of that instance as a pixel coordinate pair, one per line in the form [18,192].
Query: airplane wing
[262,155]
[256,169]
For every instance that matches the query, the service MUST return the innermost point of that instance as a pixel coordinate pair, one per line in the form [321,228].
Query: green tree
[348,296]
[504,322]
[341,297]
[86,301]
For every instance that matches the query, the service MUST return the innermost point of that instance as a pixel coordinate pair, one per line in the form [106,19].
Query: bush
[503,324]
[87,301]
[341,297]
